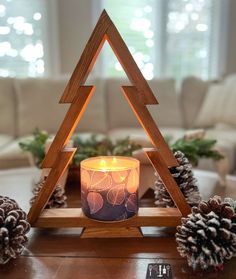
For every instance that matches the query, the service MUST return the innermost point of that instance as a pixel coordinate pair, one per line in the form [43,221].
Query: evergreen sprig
[90,147]
[97,146]
[197,148]
[36,145]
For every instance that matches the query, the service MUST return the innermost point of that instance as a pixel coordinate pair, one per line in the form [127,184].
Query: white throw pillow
[229,110]
[210,111]
[219,105]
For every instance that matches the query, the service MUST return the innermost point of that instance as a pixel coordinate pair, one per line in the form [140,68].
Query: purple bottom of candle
[98,206]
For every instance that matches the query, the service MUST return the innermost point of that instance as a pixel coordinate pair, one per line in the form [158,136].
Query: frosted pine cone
[13,229]
[184,178]
[207,237]
[57,200]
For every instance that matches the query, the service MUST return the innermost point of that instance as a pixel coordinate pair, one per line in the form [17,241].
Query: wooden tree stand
[58,157]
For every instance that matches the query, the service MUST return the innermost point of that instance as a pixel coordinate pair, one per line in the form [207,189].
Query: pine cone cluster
[184,178]
[58,198]
[13,229]
[207,237]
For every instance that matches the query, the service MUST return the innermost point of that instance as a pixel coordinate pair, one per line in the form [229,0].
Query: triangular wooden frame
[58,157]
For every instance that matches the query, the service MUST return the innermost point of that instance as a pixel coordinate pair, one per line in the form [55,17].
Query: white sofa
[29,103]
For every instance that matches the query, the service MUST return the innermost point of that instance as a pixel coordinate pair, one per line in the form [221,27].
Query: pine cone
[208,235]
[13,229]
[57,200]
[184,178]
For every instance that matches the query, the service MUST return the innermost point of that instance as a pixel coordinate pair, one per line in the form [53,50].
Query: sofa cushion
[120,114]
[11,156]
[226,143]
[4,139]
[211,110]
[139,136]
[223,134]
[228,150]
[219,105]
[95,115]
[38,107]
[168,112]
[7,107]
[193,91]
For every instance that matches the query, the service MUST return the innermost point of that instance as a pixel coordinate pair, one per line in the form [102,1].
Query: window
[135,20]
[22,51]
[173,38]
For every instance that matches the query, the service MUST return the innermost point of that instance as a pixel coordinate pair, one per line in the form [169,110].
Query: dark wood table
[63,254]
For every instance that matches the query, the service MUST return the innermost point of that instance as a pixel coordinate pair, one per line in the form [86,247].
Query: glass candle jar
[109,187]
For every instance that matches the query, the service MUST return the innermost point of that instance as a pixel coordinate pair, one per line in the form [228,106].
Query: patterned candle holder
[109,187]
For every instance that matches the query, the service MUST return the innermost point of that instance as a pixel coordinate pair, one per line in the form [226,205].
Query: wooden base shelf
[111,232]
[74,217]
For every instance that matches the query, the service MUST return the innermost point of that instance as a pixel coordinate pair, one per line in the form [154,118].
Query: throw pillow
[218,105]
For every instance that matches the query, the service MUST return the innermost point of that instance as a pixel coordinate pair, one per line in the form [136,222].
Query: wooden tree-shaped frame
[58,157]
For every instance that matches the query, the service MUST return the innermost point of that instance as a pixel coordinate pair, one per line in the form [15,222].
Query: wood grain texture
[106,30]
[74,217]
[78,95]
[68,125]
[111,232]
[91,266]
[160,166]
[147,122]
[56,172]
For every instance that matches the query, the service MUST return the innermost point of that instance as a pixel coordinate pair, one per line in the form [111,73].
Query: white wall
[76,22]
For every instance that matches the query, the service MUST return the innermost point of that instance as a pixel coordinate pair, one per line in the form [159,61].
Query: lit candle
[109,187]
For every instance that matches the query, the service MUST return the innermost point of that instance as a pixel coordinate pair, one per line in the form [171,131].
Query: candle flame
[102,162]
[114,160]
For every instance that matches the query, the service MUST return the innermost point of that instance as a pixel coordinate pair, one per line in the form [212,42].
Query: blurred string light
[21,47]
[32,52]
[138,12]
[37,16]
[201,27]
[179,20]
[2,10]
[140,24]
[148,34]
[148,9]
[149,43]
[4,73]
[187,30]
[140,27]
[4,30]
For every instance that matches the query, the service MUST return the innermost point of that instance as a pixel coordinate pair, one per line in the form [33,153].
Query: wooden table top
[63,254]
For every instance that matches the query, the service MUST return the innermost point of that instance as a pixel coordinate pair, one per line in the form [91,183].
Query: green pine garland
[95,146]
[36,145]
[91,147]
[197,148]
